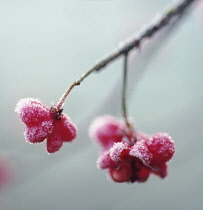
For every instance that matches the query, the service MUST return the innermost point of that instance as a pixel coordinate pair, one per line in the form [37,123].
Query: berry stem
[156,25]
[124,107]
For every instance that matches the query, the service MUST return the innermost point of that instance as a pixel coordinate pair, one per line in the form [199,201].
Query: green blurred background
[44,46]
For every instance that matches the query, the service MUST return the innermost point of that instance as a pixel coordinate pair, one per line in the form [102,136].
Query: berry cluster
[44,123]
[129,155]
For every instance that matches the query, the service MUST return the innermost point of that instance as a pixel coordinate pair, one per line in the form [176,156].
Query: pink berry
[64,131]
[129,155]
[123,174]
[37,134]
[119,152]
[41,124]
[106,130]
[161,147]
[37,118]
[161,170]
[140,151]
[32,112]
[105,161]
[141,172]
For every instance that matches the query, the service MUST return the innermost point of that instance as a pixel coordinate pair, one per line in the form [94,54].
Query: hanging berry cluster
[129,155]
[44,123]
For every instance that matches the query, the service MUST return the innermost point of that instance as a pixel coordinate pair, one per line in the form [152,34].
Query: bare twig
[124,107]
[155,26]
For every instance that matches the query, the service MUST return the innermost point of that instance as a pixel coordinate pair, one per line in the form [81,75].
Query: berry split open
[44,123]
[129,155]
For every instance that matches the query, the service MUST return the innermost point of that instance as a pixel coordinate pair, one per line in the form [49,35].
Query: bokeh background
[44,46]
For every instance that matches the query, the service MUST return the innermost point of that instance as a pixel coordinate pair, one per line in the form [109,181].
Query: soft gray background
[44,46]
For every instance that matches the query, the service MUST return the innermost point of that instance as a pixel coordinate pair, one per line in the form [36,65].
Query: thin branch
[155,26]
[124,107]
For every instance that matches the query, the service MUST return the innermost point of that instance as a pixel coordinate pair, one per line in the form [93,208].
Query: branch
[124,107]
[155,26]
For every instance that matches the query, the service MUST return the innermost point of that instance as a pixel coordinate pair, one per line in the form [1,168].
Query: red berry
[131,155]
[37,118]
[141,172]
[32,112]
[105,161]
[64,131]
[161,170]
[119,152]
[106,130]
[140,151]
[37,134]
[41,125]
[162,148]
[123,174]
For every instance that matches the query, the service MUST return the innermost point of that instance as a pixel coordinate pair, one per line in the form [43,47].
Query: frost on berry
[155,151]
[105,161]
[161,147]
[129,155]
[41,125]
[106,130]
[119,151]
[64,131]
[32,111]
[141,151]
[37,134]
[37,118]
